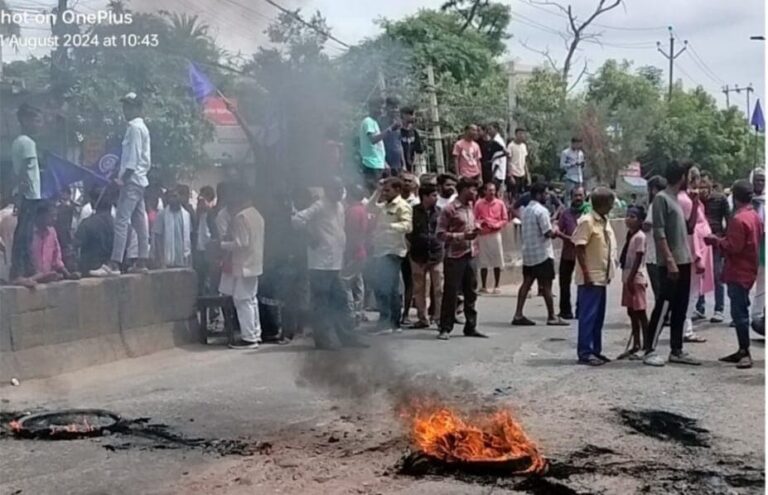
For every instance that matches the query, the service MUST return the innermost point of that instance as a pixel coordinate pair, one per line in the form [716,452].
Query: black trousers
[405,271]
[460,278]
[654,277]
[21,259]
[329,306]
[565,274]
[673,297]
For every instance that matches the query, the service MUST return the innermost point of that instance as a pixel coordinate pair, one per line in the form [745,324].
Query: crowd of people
[412,241]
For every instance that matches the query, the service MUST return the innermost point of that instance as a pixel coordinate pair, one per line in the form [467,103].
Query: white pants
[758,297]
[692,300]
[244,292]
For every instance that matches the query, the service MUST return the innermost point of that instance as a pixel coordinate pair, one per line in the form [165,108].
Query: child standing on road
[634,280]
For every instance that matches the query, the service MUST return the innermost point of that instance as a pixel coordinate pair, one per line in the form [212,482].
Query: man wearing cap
[131,179]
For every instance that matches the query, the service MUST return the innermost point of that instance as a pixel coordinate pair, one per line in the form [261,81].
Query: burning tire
[65,425]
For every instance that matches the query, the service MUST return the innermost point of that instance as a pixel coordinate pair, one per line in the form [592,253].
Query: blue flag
[758,121]
[202,87]
[60,173]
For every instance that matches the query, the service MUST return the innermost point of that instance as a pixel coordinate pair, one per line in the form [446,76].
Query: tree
[470,83]
[720,141]
[577,33]
[97,76]
[622,107]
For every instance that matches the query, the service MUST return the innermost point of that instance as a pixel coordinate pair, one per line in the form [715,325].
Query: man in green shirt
[26,180]
[670,233]
[372,150]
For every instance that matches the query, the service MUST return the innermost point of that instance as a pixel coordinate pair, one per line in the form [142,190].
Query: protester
[595,253]
[356,229]
[494,156]
[411,196]
[467,155]
[717,211]
[446,189]
[172,233]
[371,141]
[65,219]
[410,192]
[393,217]
[393,147]
[566,224]
[457,228]
[333,153]
[296,313]
[491,216]
[426,257]
[206,200]
[244,242]
[95,234]
[45,250]
[702,279]
[552,203]
[758,202]
[538,256]
[634,280]
[7,226]
[518,175]
[135,163]
[410,138]
[324,223]
[656,184]
[572,162]
[26,171]
[740,247]
[670,232]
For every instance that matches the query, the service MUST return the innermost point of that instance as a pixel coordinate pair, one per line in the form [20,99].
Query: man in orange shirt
[467,154]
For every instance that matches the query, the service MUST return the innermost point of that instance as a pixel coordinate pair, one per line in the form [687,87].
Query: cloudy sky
[719,49]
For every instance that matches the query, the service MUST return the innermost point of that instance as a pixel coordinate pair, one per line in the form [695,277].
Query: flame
[488,437]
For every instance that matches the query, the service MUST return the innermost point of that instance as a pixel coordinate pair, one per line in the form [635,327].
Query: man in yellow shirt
[595,252]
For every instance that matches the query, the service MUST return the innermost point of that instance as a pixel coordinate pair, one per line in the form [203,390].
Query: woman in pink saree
[702,276]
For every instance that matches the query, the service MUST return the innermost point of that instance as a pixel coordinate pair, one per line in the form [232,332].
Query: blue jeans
[591,303]
[719,286]
[739,297]
[387,288]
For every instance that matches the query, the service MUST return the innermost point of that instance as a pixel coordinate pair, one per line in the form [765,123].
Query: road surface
[594,424]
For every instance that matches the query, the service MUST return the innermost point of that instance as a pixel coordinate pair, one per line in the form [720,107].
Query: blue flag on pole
[758,121]
[60,173]
[202,87]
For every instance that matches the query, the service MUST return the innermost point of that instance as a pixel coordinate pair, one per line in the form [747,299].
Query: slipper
[557,322]
[694,339]
[523,322]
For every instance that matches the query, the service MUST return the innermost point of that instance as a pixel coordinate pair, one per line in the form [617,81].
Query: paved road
[349,442]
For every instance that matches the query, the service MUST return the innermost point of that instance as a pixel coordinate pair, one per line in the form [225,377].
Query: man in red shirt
[740,248]
[356,252]
[467,154]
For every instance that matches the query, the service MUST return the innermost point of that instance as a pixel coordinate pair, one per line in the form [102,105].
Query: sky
[719,50]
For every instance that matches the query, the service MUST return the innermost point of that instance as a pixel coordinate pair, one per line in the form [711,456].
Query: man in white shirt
[135,163]
[572,162]
[518,175]
[324,224]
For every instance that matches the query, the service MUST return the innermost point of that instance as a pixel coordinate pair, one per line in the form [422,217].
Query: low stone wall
[70,325]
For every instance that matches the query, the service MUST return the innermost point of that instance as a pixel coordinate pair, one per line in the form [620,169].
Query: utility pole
[736,89]
[671,56]
[727,96]
[437,134]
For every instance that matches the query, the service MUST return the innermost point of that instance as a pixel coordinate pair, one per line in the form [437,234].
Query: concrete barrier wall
[70,325]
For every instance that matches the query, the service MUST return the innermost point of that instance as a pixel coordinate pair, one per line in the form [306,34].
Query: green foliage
[96,77]
[691,126]
[623,115]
